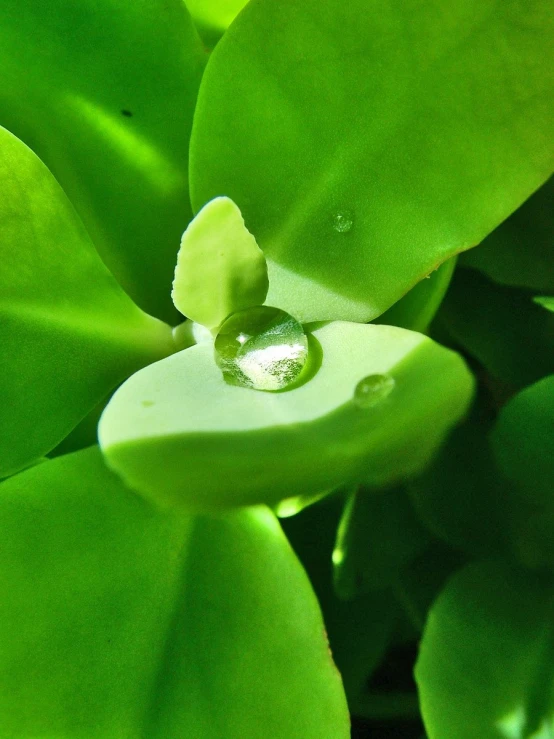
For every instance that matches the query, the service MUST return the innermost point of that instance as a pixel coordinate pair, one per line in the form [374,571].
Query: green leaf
[180,434]
[500,326]
[119,621]
[104,92]
[359,630]
[460,496]
[379,533]
[212,17]
[546,302]
[220,268]
[523,441]
[368,143]
[417,308]
[486,666]
[519,252]
[69,334]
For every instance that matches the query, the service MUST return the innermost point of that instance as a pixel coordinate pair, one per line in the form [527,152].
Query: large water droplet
[262,348]
[372,389]
[342,221]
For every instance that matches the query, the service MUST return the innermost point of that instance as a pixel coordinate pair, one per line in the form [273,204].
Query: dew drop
[343,221]
[262,348]
[372,389]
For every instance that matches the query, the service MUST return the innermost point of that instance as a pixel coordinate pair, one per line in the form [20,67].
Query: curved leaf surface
[212,17]
[519,251]
[69,334]
[220,268]
[104,92]
[486,666]
[116,620]
[180,434]
[416,309]
[523,441]
[366,143]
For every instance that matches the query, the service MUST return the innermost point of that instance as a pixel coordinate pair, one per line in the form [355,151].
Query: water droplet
[261,348]
[343,221]
[372,389]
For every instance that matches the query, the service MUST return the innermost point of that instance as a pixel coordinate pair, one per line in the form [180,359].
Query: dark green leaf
[519,252]
[461,497]
[379,533]
[104,92]
[366,143]
[417,308]
[501,327]
[359,630]
[68,332]
[523,442]
[486,667]
[118,621]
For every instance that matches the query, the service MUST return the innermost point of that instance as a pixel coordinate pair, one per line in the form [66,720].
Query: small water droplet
[343,221]
[372,389]
[262,348]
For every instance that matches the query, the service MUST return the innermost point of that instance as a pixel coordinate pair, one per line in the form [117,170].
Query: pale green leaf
[220,268]
[180,434]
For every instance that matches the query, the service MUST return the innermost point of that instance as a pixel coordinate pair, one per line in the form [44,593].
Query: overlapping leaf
[180,434]
[69,334]
[485,668]
[366,143]
[104,92]
[519,252]
[501,326]
[212,17]
[116,620]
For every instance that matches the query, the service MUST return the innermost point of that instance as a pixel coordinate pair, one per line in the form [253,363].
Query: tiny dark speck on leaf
[126,113]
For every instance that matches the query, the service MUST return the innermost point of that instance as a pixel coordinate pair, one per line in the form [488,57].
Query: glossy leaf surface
[116,620]
[181,435]
[519,252]
[486,662]
[69,334]
[104,92]
[220,268]
[368,143]
[501,327]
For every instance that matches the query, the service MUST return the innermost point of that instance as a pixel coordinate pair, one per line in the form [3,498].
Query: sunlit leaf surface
[119,621]
[368,142]
[104,92]
[68,332]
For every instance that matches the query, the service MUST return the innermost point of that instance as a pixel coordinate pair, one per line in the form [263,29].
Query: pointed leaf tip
[220,267]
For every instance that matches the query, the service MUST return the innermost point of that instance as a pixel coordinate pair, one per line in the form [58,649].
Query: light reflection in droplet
[262,348]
